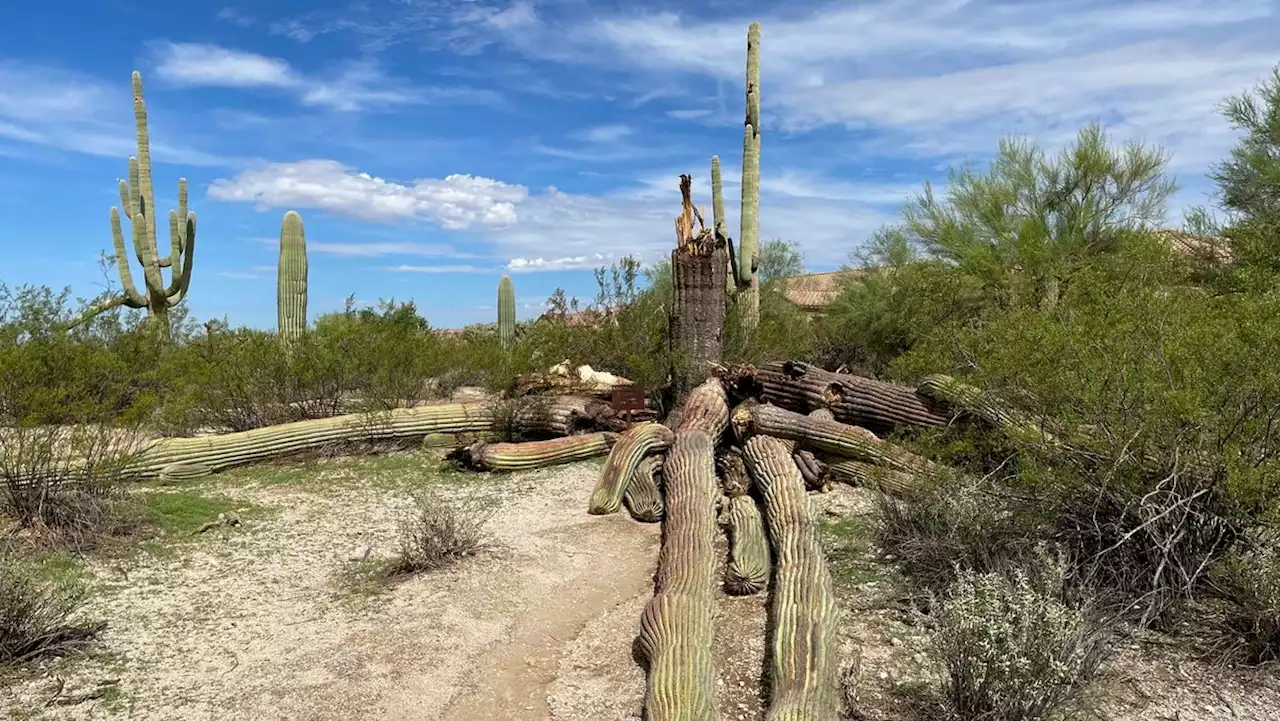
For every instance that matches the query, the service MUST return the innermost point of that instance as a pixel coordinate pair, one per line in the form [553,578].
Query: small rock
[895,641]
[359,553]
[883,675]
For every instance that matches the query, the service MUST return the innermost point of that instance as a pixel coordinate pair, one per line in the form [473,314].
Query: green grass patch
[847,541]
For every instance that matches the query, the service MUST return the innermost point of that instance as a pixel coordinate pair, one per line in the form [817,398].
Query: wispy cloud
[379,249]
[437,269]
[579,262]
[355,85]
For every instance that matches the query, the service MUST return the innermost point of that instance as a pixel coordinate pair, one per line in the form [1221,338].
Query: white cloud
[580,262]
[56,108]
[455,202]
[605,134]
[374,250]
[353,86]
[437,269]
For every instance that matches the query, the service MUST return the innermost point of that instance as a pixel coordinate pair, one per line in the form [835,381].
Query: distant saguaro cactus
[291,280]
[749,235]
[138,199]
[506,312]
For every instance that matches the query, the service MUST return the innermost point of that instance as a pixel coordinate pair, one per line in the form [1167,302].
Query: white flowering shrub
[1012,648]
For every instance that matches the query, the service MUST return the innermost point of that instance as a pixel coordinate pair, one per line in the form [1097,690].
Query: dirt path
[256,624]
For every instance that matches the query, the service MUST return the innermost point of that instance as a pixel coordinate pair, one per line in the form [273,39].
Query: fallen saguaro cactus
[855,400]
[804,668]
[177,456]
[536,454]
[748,569]
[566,415]
[633,445]
[826,436]
[812,470]
[867,475]
[979,403]
[643,497]
[676,628]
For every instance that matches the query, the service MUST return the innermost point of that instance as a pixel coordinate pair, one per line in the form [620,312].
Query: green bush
[38,616]
[1247,622]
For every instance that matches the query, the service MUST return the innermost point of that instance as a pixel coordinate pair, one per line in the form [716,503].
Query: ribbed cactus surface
[506,312]
[867,475]
[138,201]
[291,278]
[643,498]
[748,569]
[536,454]
[633,445]
[977,402]
[676,627]
[706,408]
[827,436]
[804,663]
[749,234]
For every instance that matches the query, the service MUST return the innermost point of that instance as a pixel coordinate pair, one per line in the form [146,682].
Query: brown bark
[876,405]
[697,309]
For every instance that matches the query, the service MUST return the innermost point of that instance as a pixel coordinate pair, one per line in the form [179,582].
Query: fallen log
[566,415]
[804,668]
[872,404]
[751,418]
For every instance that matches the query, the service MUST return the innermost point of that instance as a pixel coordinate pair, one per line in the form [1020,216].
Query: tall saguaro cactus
[749,234]
[506,312]
[291,279]
[138,199]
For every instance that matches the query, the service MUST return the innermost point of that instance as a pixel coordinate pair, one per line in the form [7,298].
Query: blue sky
[432,145]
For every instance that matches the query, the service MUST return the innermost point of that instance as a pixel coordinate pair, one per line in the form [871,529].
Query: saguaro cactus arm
[633,445]
[749,235]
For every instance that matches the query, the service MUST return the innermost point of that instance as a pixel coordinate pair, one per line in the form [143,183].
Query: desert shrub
[960,524]
[1013,648]
[439,531]
[38,616]
[1246,624]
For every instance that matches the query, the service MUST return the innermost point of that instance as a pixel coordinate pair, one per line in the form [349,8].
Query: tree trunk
[697,316]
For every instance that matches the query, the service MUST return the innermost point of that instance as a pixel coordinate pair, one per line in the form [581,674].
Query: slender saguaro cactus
[138,199]
[717,224]
[749,235]
[291,281]
[506,312]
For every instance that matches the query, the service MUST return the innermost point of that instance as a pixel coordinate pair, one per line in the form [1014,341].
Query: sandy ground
[255,623]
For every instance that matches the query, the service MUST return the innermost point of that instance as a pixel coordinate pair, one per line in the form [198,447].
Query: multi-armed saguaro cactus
[291,279]
[749,235]
[138,199]
[506,312]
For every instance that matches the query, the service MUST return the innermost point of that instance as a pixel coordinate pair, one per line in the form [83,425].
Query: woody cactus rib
[537,454]
[643,498]
[804,668]
[812,469]
[855,400]
[633,445]
[676,626]
[748,569]
[565,415]
[827,436]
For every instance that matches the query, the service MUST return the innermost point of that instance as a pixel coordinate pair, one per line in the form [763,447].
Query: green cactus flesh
[506,311]
[827,436]
[643,498]
[748,569]
[676,628]
[749,233]
[291,281]
[536,454]
[867,475]
[804,664]
[979,403]
[633,445]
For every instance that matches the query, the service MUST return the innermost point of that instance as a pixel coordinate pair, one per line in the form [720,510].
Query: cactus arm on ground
[867,475]
[643,498]
[218,453]
[676,629]
[812,470]
[876,405]
[506,312]
[804,664]
[633,445]
[979,403]
[748,236]
[826,436]
[748,569]
[537,454]
[566,415]
[291,278]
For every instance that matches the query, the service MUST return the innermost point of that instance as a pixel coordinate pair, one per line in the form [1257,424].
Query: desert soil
[261,621]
